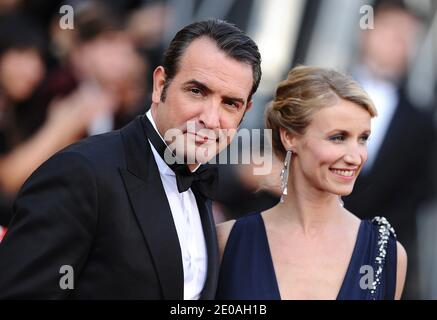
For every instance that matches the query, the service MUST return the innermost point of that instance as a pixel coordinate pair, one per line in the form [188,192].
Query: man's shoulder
[92,142]
[99,147]
[100,153]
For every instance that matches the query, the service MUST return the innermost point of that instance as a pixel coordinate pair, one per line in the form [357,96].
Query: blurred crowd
[396,181]
[60,85]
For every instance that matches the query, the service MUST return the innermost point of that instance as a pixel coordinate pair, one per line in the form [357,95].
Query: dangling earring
[284,175]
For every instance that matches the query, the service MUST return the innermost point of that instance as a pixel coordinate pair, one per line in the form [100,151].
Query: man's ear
[288,139]
[249,106]
[159,77]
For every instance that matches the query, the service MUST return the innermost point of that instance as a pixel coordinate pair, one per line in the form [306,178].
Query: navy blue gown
[247,271]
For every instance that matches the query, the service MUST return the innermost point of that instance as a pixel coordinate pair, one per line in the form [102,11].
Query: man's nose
[210,116]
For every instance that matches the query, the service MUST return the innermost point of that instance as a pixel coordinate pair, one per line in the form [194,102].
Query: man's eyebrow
[198,84]
[206,89]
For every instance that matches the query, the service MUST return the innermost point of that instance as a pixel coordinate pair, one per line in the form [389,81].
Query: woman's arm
[223,231]
[401,270]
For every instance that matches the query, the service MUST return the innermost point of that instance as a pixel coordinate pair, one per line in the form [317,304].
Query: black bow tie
[203,180]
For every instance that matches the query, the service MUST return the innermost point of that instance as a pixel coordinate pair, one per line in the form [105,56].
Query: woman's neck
[309,209]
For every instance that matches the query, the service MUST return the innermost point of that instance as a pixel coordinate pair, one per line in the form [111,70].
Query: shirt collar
[162,166]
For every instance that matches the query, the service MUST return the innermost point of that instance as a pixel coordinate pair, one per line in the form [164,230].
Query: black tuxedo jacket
[100,207]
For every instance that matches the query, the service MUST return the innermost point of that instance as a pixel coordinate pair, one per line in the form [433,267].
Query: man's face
[389,47]
[206,98]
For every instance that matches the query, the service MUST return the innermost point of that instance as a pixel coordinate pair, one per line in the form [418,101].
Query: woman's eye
[337,138]
[364,139]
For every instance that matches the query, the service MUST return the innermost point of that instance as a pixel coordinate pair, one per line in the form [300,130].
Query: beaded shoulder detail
[384,230]
[383,224]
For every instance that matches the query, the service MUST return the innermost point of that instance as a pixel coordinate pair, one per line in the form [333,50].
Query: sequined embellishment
[384,229]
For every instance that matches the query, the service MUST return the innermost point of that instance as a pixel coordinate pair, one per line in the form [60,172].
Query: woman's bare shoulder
[223,231]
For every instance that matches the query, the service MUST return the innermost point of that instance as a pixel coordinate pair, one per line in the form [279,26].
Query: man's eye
[232,104]
[195,91]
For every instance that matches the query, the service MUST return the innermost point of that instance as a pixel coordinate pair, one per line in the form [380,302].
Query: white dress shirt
[188,226]
[385,98]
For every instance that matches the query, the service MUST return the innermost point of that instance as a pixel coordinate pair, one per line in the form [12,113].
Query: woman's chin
[344,193]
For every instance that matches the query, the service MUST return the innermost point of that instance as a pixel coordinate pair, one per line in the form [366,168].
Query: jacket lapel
[150,205]
[390,151]
[209,231]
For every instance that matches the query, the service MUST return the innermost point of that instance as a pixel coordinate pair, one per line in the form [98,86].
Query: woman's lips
[345,174]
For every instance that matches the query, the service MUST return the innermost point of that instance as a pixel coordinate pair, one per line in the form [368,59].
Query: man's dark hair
[93,19]
[383,6]
[228,37]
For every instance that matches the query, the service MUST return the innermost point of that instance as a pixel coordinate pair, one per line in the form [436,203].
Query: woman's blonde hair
[305,91]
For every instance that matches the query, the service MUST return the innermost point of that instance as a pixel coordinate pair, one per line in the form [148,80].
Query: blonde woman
[309,246]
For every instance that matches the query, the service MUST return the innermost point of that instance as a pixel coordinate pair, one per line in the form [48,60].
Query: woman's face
[20,73]
[333,149]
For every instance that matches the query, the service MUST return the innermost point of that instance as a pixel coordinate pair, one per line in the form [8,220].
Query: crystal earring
[284,175]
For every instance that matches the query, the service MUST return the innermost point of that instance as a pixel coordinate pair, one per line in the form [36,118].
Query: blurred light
[275,29]
[422,79]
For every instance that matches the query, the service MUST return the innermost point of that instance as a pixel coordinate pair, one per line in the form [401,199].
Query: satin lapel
[150,205]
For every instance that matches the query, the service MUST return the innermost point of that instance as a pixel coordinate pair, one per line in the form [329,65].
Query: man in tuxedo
[112,211]
[396,179]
